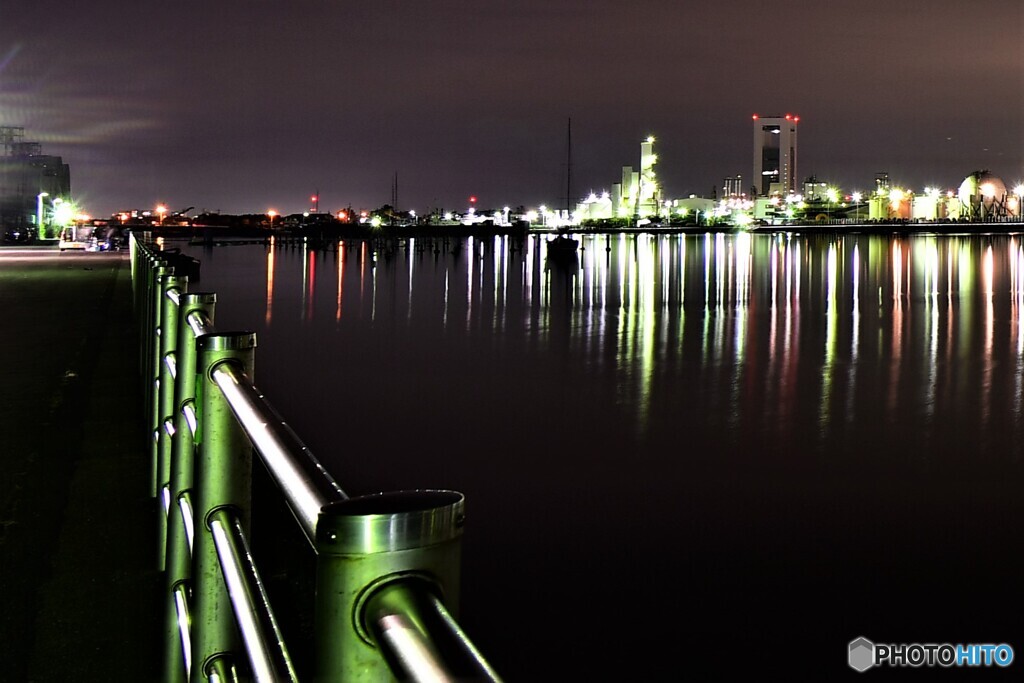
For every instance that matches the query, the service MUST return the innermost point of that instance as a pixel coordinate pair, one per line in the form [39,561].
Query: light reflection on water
[741,415]
[726,331]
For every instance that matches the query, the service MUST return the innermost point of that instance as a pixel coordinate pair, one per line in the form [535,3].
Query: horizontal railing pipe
[268,656]
[306,485]
[182,621]
[200,322]
[221,670]
[419,638]
[187,520]
[188,411]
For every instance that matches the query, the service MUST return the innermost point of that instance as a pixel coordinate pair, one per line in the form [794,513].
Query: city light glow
[63,214]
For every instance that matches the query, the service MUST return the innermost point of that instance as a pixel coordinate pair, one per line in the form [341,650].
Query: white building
[594,207]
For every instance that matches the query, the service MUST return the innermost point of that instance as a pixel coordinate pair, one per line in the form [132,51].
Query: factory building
[638,193]
[981,196]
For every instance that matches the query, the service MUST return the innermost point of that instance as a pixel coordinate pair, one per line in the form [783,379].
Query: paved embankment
[80,590]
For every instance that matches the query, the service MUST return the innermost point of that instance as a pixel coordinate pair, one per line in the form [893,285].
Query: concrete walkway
[80,589]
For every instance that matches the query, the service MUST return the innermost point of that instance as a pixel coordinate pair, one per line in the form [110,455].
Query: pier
[79,582]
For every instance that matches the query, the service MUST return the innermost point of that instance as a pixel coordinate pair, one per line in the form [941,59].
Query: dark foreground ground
[77,552]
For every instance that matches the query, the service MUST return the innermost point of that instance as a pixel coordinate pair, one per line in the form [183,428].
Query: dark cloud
[241,106]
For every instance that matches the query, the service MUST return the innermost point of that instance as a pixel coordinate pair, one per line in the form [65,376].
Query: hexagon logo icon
[862,654]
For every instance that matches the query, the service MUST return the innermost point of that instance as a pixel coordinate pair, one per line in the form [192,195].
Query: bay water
[683,456]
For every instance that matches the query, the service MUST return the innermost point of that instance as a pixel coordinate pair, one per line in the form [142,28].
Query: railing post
[145,267]
[146,317]
[182,464]
[141,267]
[133,259]
[223,479]
[170,320]
[365,544]
[152,372]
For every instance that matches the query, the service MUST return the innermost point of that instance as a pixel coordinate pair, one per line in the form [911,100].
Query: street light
[39,214]
[270,214]
[161,211]
[63,214]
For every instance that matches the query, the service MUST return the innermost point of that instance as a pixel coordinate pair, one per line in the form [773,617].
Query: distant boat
[562,254]
[563,248]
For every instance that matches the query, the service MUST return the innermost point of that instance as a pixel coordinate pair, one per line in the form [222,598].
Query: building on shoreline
[775,155]
[30,182]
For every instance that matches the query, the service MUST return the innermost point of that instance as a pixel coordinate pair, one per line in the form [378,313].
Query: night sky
[243,106]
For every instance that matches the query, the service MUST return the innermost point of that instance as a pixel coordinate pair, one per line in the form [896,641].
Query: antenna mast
[568,172]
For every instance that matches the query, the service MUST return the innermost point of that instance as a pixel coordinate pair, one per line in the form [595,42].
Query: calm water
[682,454]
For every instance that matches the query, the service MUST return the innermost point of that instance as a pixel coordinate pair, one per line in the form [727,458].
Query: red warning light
[789,117]
[472,200]
[312,198]
[755,117]
[796,119]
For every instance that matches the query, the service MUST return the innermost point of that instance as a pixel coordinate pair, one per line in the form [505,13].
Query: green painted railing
[387,565]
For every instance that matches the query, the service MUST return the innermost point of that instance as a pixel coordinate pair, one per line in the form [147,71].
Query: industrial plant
[776,197]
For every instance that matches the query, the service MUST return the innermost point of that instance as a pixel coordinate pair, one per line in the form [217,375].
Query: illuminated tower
[648,194]
[638,194]
[775,154]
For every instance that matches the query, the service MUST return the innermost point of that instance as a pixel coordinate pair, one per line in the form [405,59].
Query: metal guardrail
[387,565]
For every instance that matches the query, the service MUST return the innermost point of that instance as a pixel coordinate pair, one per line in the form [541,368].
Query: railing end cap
[226,341]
